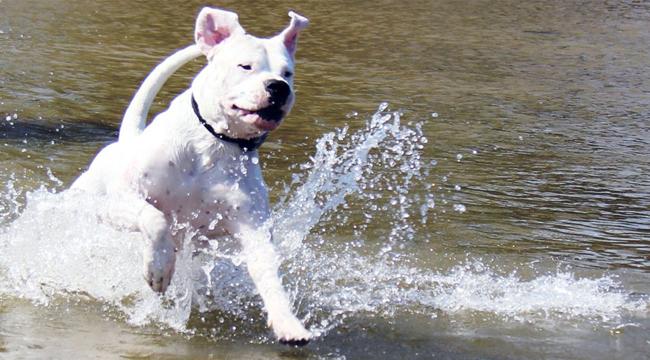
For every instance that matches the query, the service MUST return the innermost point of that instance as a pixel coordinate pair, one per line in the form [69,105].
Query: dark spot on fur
[207,212]
[146,175]
[171,164]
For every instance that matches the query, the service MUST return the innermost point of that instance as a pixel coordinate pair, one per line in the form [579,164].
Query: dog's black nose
[278,90]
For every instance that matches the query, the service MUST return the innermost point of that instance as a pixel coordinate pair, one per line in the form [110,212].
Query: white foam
[348,283]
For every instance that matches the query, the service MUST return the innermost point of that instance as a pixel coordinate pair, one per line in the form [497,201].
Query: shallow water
[498,206]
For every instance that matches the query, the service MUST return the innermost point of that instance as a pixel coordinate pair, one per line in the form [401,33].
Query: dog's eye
[288,74]
[245,67]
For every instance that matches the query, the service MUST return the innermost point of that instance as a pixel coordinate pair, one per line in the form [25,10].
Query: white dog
[197,162]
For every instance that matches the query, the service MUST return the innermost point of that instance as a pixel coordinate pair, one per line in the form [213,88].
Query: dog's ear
[290,34]
[213,26]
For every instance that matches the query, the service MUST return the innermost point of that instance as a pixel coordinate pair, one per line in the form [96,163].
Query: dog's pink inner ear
[290,34]
[213,26]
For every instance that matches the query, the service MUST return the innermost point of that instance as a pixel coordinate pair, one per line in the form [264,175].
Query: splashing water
[361,180]
[377,165]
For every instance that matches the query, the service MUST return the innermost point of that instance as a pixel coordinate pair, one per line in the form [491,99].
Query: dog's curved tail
[135,116]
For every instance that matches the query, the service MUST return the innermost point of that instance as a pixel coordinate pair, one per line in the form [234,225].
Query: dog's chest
[210,195]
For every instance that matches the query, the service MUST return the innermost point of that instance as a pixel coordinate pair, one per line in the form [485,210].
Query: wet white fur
[174,169]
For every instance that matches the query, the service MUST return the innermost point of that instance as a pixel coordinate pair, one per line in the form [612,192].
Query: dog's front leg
[159,251]
[262,262]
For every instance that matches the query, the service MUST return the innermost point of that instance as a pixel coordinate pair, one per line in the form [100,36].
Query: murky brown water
[537,119]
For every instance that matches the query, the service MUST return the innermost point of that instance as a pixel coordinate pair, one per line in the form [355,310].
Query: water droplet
[431,203]
[213,224]
[459,157]
[457,187]
[434,114]
[460,208]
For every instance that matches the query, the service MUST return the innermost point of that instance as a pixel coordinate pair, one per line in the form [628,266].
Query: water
[513,223]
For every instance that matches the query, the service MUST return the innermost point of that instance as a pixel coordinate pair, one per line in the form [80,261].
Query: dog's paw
[159,262]
[290,331]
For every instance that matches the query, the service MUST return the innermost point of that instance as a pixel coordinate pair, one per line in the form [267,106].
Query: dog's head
[247,87]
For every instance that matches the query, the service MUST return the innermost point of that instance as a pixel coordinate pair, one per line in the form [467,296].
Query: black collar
[244,144]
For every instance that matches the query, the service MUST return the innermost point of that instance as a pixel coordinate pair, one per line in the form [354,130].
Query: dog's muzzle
[279,92]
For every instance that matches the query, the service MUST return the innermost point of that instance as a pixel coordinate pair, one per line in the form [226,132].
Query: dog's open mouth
[269,113]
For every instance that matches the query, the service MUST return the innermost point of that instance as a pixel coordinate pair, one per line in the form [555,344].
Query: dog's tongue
[266,125]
